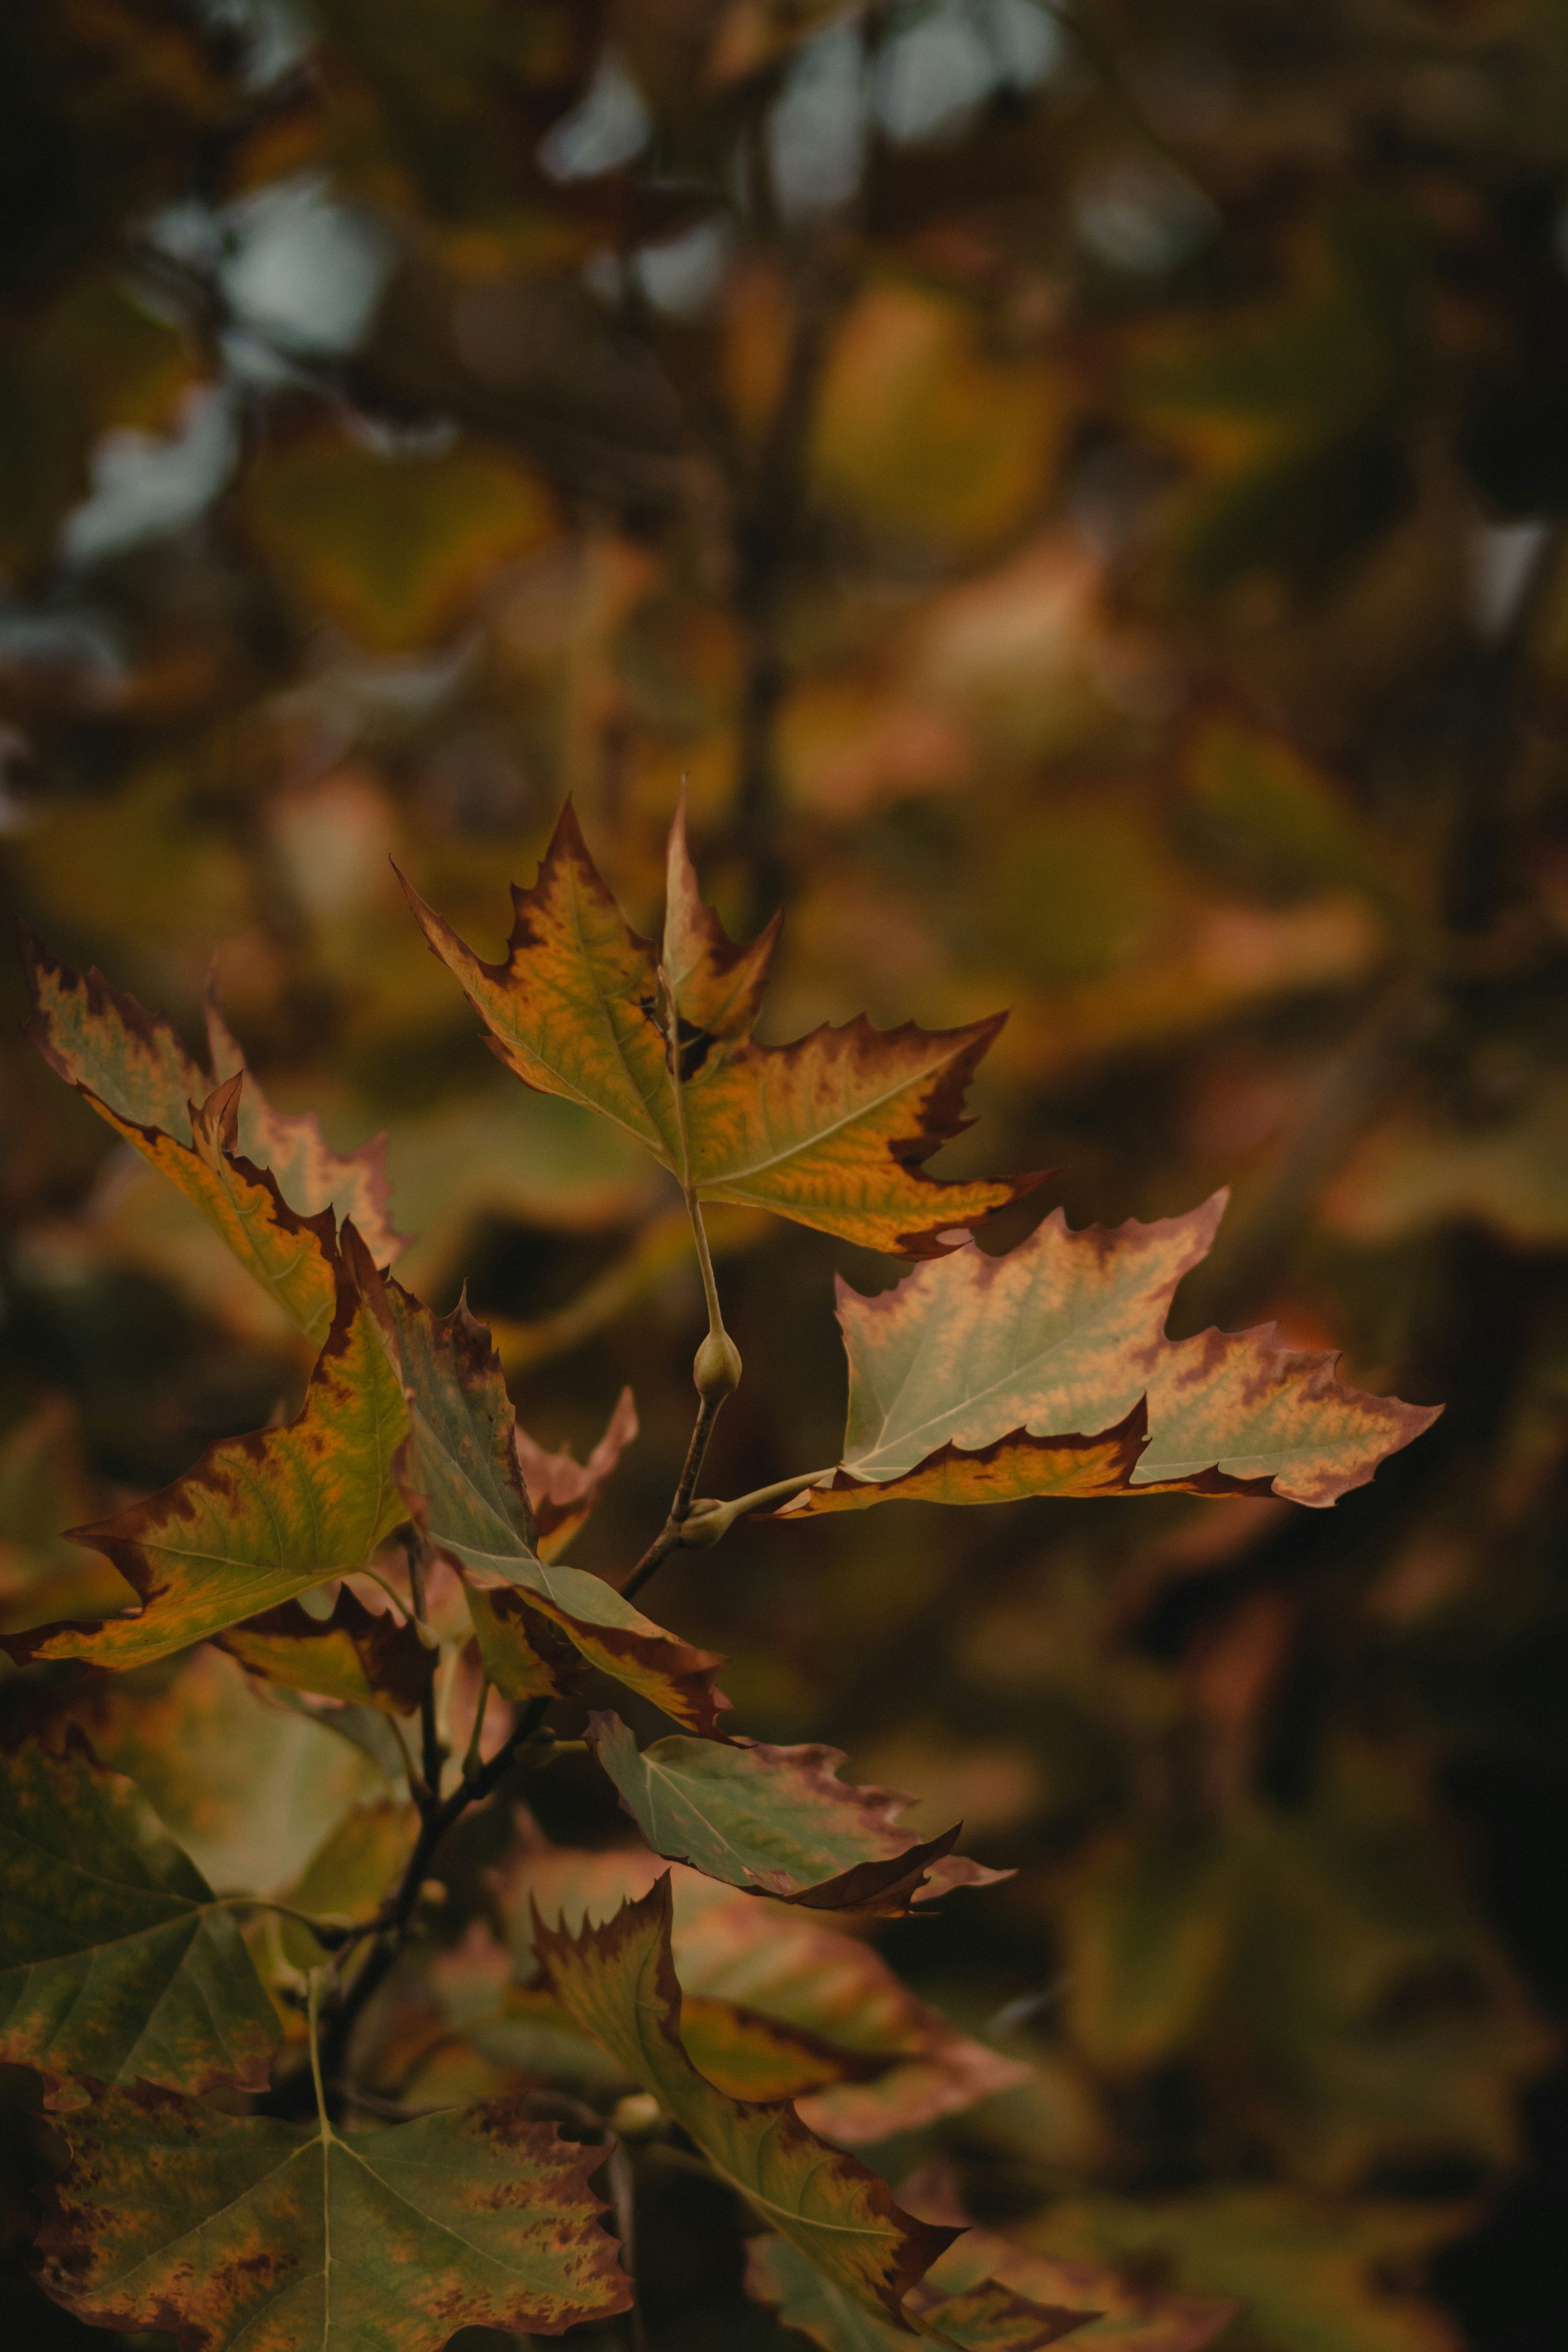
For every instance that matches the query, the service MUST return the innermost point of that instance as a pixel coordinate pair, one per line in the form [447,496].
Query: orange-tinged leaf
[776,1821]
[542,1627]
[220,1144]
[259,1519]
[353,1655]
[830,1131]
[115,1961]
[548,1630]
[755,1960]
[354,1184]
[750,2056]
[291,2238]
[564,1490]
[618,1984]
[1048,1371]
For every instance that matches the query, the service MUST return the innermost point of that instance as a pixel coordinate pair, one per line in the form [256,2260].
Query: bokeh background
[1075,492]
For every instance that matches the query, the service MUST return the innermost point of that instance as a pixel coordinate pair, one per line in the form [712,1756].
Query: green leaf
[1047,1373]
[830,1131]
[541,1627]
[115,1961]
[778,1820]
[618,1984]
[352,1655]
[289,2238]
[259,1519]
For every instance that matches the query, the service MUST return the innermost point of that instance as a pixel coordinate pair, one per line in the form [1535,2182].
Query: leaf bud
[716,1368]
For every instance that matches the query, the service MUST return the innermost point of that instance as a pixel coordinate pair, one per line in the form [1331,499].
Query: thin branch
[392,1926]
[434,1754]
[671,1535]
[471,1757]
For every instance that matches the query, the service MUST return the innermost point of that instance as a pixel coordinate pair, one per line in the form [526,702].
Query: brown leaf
[564,1490]
[355,1654]
[830,1131]
[618,1984]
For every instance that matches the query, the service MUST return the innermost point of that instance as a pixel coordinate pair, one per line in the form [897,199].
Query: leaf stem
[437,1818]
[313,2012]
[332,1935]
[701,1524]
[471,1755]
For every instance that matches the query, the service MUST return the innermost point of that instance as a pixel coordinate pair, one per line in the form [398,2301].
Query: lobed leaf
[259,1519]
[618,1984]
[352,1655]
[1048,1371]
[900,2064]
[264,1181]
[542,1628]
[563,1490]
[291,2238]
[353,1184]
[778,1820]
[115,1961]
[830,1131]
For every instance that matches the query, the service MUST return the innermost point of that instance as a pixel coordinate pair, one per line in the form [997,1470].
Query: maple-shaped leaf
[618,1984]
[266,1182]
[115,1961]
[563,1490]
[259,1519]
[778,1820]
[1048,1371]
[830,1131]
[352,1655]
[354,1184]
[282,2237]
[541,1627]
[903,2064]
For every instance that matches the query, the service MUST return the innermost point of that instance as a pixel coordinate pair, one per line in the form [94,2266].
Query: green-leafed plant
[229,2069]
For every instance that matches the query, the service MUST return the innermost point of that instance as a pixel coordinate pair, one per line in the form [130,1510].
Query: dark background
[1076,493]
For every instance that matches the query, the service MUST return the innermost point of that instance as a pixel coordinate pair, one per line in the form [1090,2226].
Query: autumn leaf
[115,1961]
[830,1131]
[352,1655]
[901,2066]
[287,2238]
[618,1984]
[223,1146]
[778,1820]
[541,1627]
[563,1490]
[986,2317]
[1047,1373]
[985,2292]
[259,1519]
[291,1145]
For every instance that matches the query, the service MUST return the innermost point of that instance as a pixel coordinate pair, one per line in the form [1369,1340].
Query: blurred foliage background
[1076,491]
